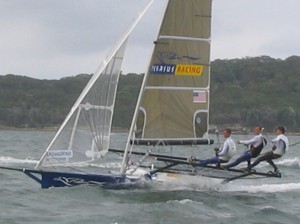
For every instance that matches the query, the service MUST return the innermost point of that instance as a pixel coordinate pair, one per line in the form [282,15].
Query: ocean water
[259,201]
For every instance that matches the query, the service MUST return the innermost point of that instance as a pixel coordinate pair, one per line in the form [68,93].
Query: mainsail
[174,101]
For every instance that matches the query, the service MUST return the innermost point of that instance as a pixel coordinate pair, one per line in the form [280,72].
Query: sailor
[255,145]
[281,145]
[223,154]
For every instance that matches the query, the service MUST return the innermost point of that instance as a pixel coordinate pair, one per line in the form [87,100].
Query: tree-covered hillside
[256,90]
[244,92]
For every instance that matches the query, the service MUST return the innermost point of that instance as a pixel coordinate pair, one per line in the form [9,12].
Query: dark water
[250,201]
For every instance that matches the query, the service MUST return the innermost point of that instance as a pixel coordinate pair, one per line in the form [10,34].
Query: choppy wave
[268,209]
[292,162]
[4,160]
[183,201]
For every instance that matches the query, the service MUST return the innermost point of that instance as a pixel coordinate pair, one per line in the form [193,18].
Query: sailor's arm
[224,149]
[250,141]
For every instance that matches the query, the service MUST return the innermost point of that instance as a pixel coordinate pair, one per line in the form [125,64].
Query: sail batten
[184,38]
[174,88]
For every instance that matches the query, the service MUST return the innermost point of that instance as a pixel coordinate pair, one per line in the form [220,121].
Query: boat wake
[267,188]
[200,183]
[215,186]
[182,182]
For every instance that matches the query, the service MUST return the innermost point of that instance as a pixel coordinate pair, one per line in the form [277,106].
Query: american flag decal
[199,96]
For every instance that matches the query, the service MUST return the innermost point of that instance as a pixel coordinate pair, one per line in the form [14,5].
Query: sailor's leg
[214,160]
[270,161]
[244,157]
[264,157]
[273,165]
[249,163]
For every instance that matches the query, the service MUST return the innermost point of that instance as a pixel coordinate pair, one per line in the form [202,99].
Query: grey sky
[52,39]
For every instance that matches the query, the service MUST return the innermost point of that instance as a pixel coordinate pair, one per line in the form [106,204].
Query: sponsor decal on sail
[165,69]
[199,96]
[163,56]
[178,70]
[191,70]
[60,154]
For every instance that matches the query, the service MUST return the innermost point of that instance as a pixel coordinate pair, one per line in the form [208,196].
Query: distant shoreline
[55,128]
[124,130]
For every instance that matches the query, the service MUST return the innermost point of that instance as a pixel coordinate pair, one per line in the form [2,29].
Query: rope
[295,143]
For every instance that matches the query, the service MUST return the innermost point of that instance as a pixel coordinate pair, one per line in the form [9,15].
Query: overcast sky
[51,39]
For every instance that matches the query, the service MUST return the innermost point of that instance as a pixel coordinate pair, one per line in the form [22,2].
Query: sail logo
[178,70]
[189,70]
[170,55]
[166,69]
[60,154]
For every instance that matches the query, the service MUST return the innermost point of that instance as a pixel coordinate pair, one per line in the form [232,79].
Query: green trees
[28,102]
[244,92]
[259,90]
[129,87]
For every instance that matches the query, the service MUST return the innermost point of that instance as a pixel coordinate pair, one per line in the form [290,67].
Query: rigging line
[295,143]
[163,168]
[106,92]
[218,138]
[107,72]
[236,177]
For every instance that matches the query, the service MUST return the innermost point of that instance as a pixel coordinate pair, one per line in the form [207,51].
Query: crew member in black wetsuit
[281,145]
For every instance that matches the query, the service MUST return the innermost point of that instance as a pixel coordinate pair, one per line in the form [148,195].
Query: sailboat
[171,118]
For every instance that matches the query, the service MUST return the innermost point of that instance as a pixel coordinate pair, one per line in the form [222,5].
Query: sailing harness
[255,151]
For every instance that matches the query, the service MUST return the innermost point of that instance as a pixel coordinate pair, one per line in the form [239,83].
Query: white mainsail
[85,134]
